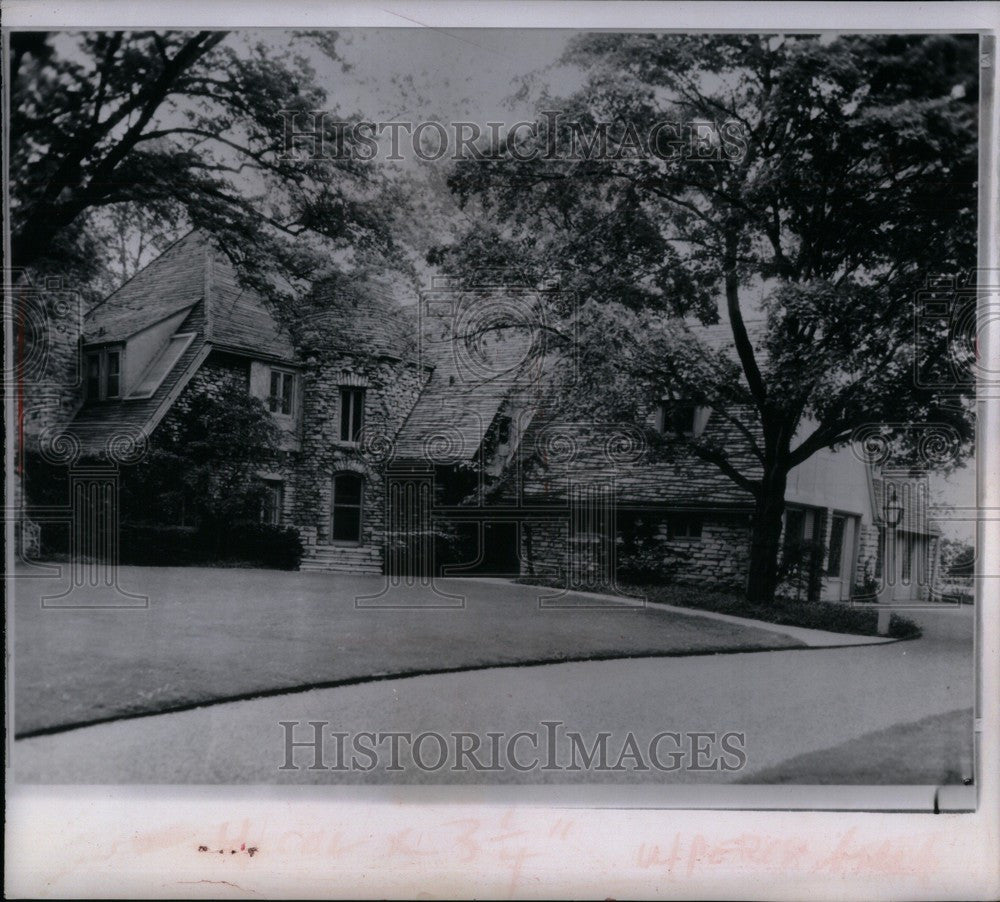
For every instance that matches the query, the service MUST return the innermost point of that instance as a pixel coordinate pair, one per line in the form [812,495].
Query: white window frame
[103,371]
[699,417]
[271,399]
[687,534]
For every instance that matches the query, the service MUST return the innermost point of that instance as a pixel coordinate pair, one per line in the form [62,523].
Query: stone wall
[391,389]
[721,556]
[48,325]
[718,558]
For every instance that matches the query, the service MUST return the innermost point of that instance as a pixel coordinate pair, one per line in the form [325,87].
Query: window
[352,413]
[684,526]
[347,503]
[836,545]
[93,377]
[104,374]
[274,496]
[114,379]
[281,400]
[675,417]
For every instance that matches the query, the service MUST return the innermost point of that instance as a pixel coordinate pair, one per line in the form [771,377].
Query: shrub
[273,546]
[142,544]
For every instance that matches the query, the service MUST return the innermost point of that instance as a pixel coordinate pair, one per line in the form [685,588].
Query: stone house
[401,424]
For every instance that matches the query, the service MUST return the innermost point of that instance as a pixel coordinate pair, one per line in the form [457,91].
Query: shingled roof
[191,275]
[471,380]
[98,426]
[192,269]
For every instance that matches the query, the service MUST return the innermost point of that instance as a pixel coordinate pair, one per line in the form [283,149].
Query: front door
[346,508]
[909,568]
[839,572]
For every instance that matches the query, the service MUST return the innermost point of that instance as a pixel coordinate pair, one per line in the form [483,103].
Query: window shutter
[260,380]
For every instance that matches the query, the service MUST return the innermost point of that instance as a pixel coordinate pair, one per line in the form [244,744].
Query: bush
[250,544]
[273,546]
[647,563]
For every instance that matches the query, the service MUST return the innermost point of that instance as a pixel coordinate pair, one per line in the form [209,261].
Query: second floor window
[352,413]
[282,397]
[104,374]
[678,417]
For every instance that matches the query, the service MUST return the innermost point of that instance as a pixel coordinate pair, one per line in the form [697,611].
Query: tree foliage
[187,129]
[202,465]
[848,181]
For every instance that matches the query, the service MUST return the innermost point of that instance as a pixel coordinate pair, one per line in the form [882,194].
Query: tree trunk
[765,536]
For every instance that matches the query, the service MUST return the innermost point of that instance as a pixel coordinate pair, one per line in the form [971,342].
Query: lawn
[215,634]
[835,617]
[934,750]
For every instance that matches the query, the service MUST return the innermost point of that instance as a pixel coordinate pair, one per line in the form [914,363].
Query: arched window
[347,507]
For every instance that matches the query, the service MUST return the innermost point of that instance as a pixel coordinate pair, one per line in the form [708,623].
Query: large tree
[183,129]
[801,196]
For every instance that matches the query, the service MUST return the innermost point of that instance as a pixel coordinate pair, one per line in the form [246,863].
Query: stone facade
[391,387]
[47,331]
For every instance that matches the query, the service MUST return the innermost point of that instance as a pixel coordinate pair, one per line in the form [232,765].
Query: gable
[173,282]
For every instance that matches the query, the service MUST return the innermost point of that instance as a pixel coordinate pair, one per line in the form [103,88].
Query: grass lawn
[818,615]
[934,750]
[214,634]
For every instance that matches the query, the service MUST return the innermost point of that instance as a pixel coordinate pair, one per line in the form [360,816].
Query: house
[401,424]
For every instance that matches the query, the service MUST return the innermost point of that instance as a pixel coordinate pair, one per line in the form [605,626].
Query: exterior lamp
[893,510]
[892,515]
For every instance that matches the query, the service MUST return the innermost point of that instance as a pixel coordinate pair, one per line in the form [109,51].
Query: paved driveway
[211,634]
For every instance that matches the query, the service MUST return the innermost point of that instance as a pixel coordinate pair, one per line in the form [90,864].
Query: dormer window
[681,417]
[104,374]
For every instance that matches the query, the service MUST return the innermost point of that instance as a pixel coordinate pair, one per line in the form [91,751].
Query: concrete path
[785,702]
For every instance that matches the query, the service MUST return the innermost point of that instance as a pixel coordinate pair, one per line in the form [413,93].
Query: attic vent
[352,380]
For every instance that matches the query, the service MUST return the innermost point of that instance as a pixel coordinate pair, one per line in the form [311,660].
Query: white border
[142,841]
[625,15]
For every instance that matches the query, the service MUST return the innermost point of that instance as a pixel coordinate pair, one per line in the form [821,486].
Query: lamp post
[892,515]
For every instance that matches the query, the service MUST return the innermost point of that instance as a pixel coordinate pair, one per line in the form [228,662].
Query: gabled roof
[469,384]
[96,426]
[191,275]
[192,269]
[172,282]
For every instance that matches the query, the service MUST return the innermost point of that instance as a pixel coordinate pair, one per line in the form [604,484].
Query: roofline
[155,322]
[253,353]
[171,397]
[141,270]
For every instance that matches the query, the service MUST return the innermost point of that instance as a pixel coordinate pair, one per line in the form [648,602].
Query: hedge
[252,544]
